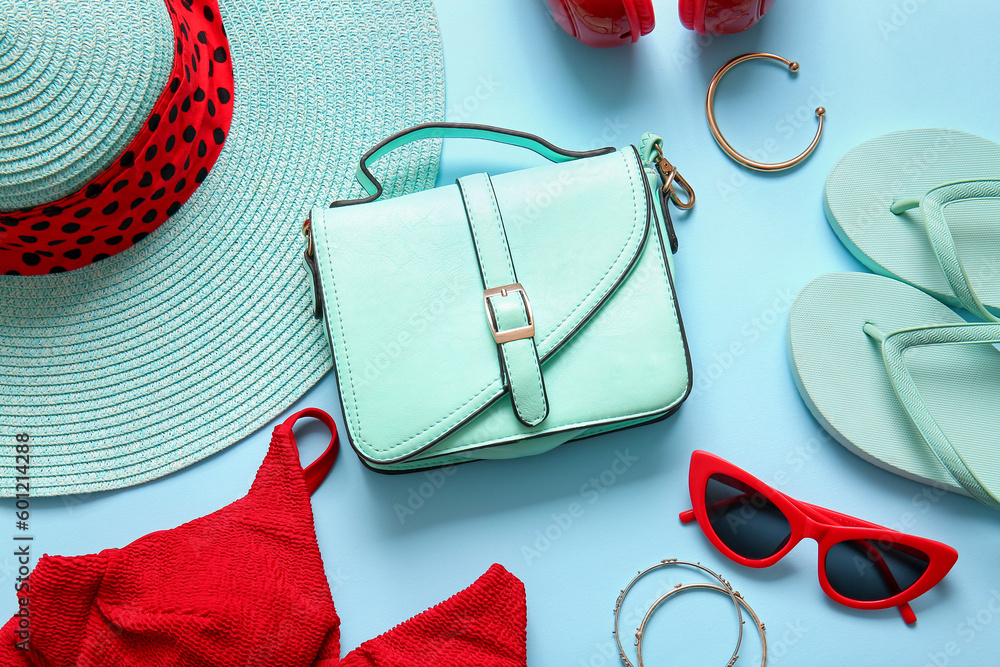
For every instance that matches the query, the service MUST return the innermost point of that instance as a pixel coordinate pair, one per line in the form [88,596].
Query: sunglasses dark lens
[868,570]
[744,519]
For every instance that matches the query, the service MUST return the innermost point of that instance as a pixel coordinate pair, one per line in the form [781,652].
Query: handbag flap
[403,295]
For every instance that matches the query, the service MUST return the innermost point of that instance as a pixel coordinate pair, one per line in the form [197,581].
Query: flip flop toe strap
[894,346]
[932,207]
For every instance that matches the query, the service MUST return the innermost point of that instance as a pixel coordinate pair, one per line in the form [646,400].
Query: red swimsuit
[244,586]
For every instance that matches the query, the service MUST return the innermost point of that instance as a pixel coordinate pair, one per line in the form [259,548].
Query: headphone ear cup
[689,10]
[564,17]
[721,17]
[647,19]
[604,23]
[726,17]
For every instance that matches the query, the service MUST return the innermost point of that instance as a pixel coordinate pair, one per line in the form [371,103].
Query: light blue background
[750,243]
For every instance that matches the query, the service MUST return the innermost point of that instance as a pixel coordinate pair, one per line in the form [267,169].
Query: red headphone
[606,23]
[722,17]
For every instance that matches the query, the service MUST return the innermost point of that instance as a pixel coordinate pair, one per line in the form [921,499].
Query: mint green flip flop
[923,207]
[901,380]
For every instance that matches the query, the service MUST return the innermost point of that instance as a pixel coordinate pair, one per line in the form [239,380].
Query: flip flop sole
[865,182]
[842,378]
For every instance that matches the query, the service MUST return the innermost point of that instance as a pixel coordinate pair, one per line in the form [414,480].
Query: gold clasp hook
[671,177]
[725,146]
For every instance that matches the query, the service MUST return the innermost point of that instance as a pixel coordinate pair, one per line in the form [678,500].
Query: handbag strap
[457,131]
[505,300]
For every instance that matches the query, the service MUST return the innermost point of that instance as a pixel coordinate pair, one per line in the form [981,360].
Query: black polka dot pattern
[172,154]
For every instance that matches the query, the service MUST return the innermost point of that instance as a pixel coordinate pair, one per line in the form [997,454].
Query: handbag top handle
[457,131]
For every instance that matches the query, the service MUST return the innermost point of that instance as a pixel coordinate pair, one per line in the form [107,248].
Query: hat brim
[143,363]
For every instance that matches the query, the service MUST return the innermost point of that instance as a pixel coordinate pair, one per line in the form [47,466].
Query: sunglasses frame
[824,526]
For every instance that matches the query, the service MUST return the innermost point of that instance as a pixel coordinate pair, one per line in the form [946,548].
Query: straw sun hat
[157,158]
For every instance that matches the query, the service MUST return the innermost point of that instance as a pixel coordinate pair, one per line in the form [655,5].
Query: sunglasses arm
[906,611]
[689,516]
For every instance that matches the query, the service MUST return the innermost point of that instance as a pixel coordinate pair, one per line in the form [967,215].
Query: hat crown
[78,78]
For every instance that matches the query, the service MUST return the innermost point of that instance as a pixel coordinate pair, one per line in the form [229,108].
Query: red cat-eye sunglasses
[861,564]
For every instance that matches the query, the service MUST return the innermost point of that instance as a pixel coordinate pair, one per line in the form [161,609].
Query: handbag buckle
[508,335]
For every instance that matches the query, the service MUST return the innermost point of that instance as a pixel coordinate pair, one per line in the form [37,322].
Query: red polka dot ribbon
[165,162]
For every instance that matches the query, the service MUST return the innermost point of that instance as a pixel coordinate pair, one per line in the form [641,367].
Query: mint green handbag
[503,315]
